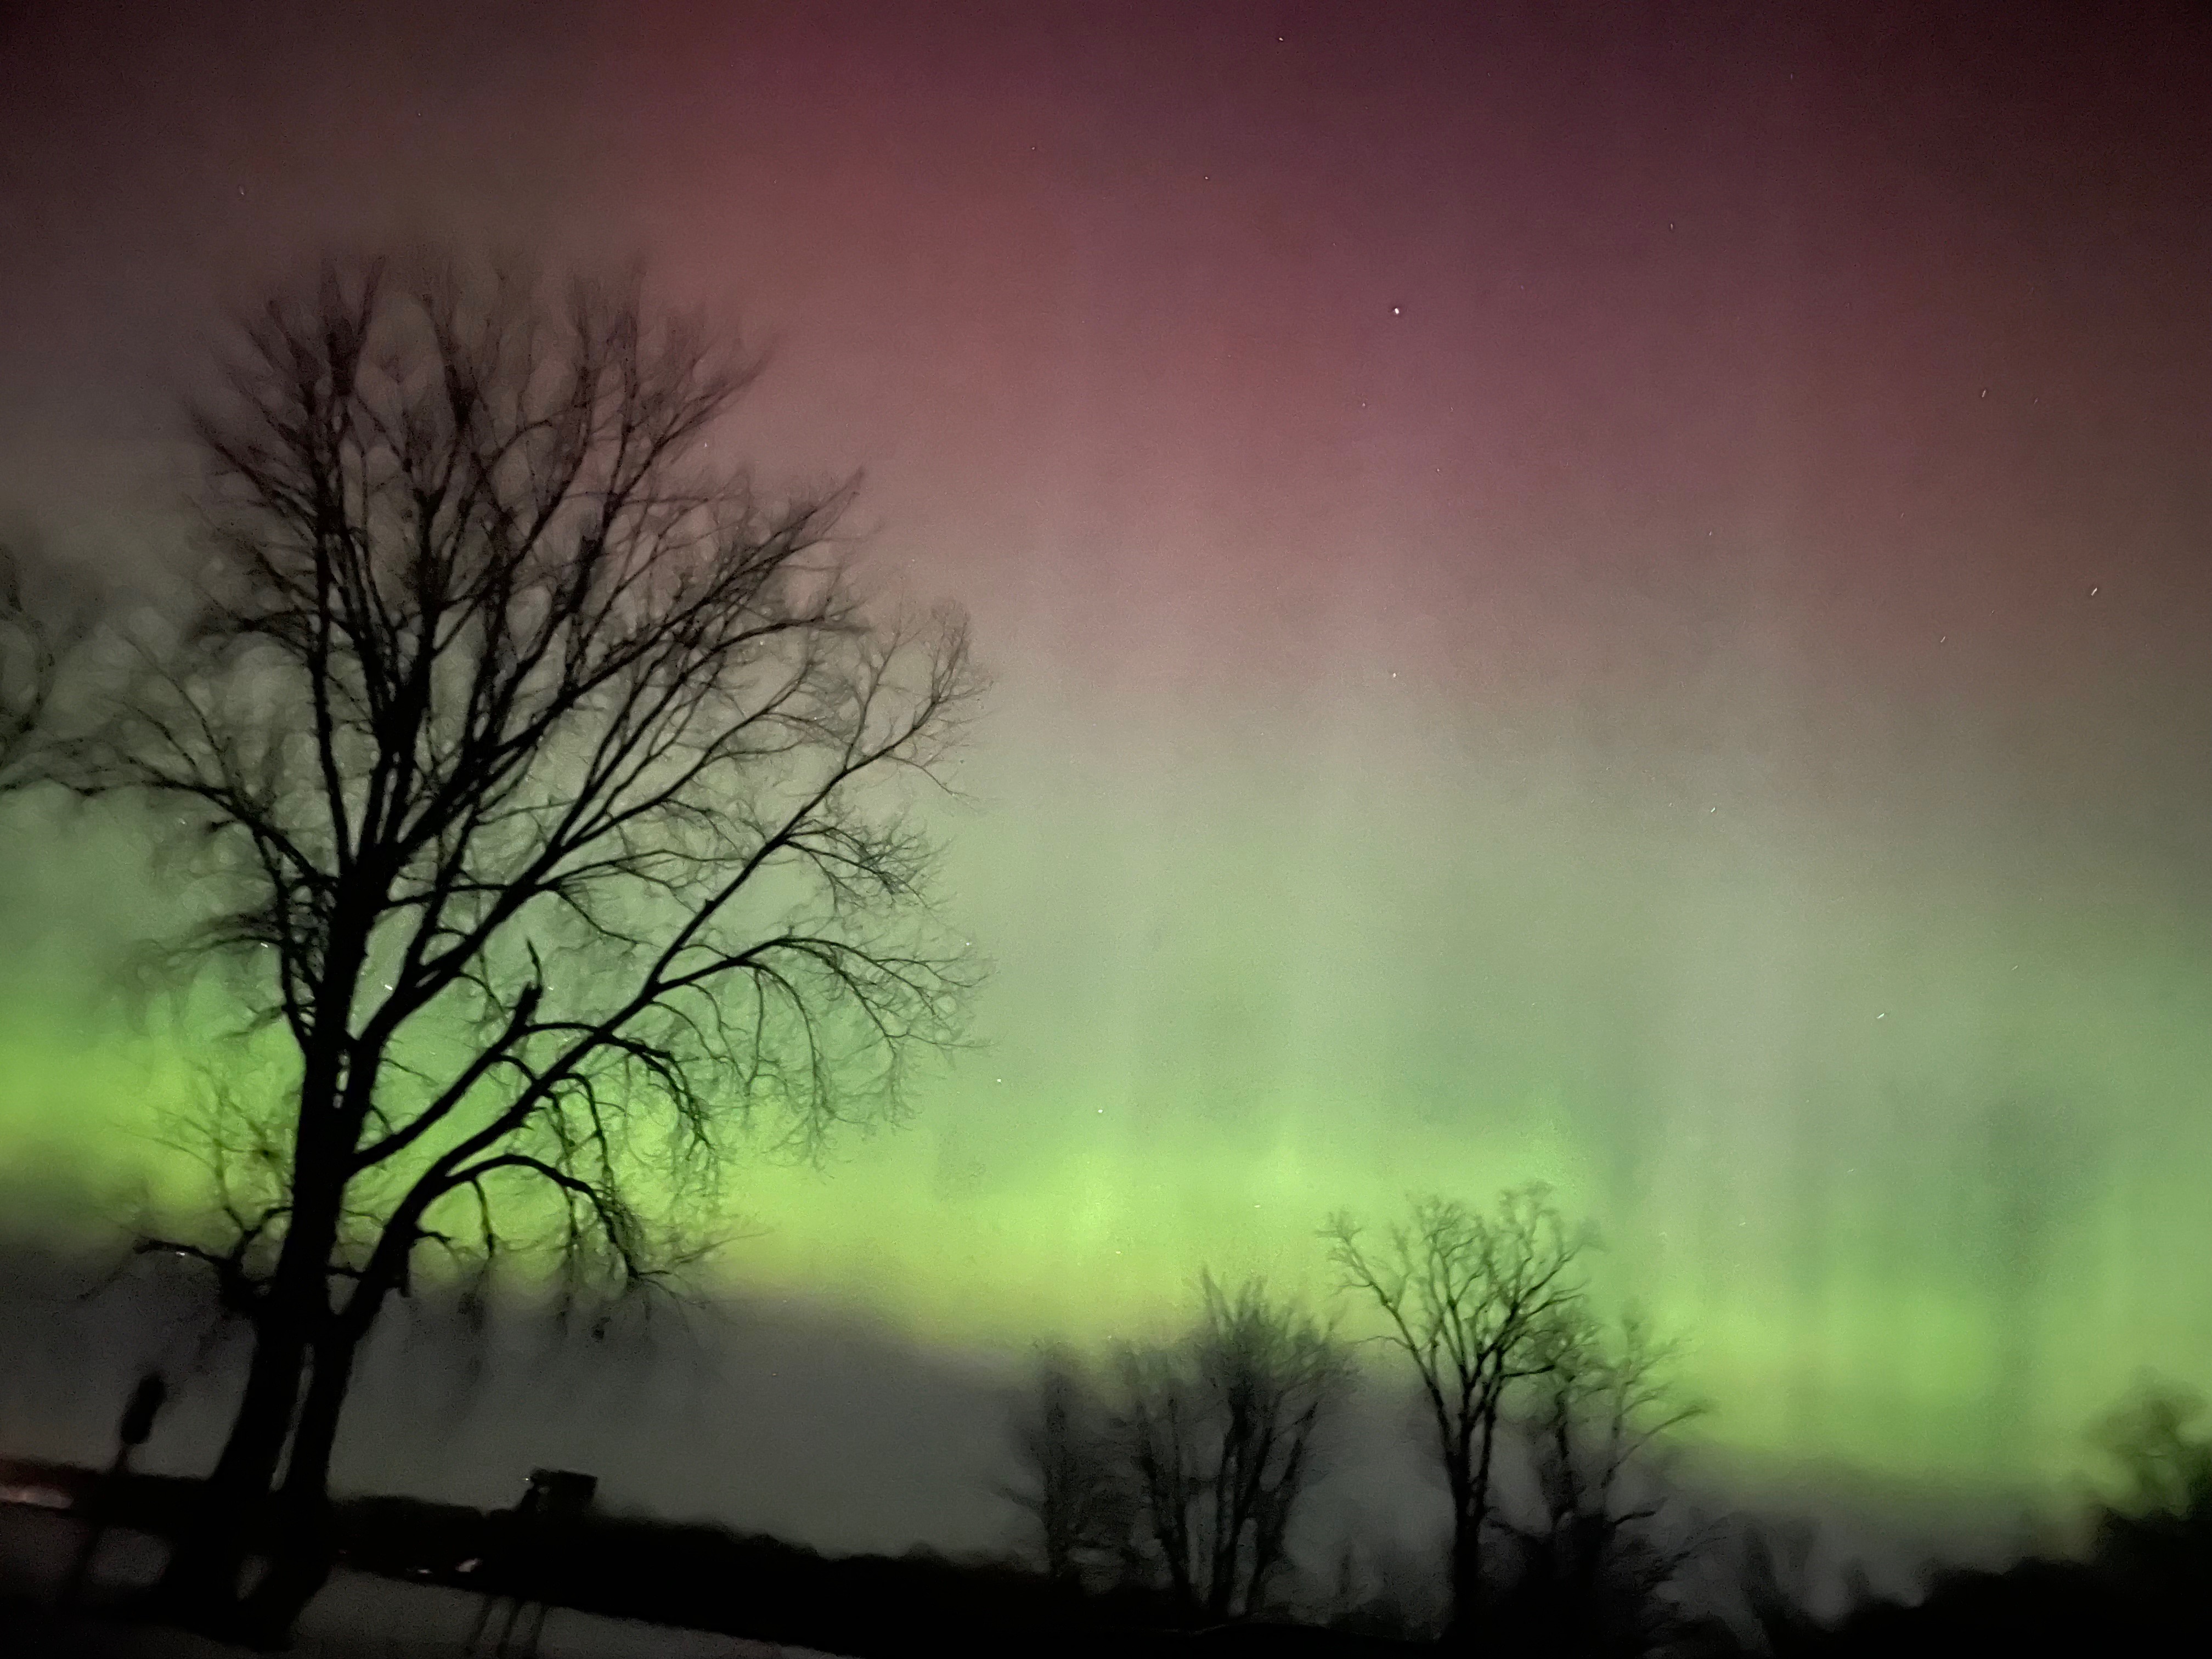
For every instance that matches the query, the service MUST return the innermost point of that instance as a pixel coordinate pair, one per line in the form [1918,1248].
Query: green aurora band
[1906,1157]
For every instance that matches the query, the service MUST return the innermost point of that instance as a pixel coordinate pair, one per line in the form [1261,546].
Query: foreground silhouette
[508,1569]
[2142,1588]
[535,760]
[709,1579]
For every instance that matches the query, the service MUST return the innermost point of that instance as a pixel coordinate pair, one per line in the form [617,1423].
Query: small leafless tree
[2158,1534]
[552,788]
[1778,1570]
[1218,1433]
[1472,1301]
[36,641]
[2165,1460]
[1072,1487]
[1595,1564]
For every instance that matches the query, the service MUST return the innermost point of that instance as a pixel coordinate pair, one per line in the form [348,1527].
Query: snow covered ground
[356,1616]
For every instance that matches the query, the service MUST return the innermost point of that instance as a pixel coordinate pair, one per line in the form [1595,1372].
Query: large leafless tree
[555,796]
[1474,1300]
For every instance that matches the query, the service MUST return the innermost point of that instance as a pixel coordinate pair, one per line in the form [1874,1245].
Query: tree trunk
[1221,1568]
[1468,1476]
[1466,1582]
[308,1539]
[1466,1539]
[199,1585]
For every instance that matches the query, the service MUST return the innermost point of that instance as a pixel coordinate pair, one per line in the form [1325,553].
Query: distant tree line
[2139,1588]
[1548,1425]
[1180,1467]
[2144,1585]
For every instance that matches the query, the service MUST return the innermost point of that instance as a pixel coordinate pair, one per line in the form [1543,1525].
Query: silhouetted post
[137,1424]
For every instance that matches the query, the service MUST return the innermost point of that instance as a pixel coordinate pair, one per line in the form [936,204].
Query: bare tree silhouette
[2168,1466]
[1218,1437]
[1071,1488]
[1474,1302]
[36,641]
[554,792]
[1776,1569]
[2159,1532]
[1595,1565]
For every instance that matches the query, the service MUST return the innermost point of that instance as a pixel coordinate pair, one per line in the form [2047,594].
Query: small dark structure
[513,1568]
[99,1503]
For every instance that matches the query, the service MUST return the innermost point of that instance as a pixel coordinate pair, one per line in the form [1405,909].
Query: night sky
[1614,594]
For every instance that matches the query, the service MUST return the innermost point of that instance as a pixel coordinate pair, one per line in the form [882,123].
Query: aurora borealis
[1604,593]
